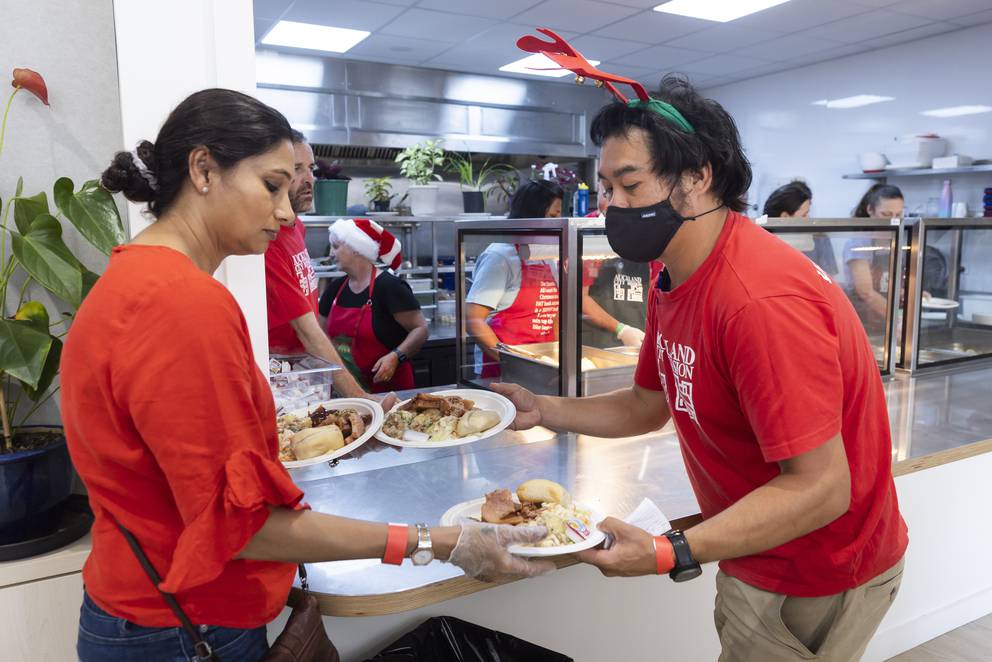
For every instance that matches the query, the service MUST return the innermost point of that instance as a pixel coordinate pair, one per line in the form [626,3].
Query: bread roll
[539,490]
[314,442]
[475,421]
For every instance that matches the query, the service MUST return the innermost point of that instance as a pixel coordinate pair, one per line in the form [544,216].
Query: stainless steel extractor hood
[354,105]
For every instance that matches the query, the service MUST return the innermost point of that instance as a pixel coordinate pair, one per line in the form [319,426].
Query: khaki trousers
[758,626]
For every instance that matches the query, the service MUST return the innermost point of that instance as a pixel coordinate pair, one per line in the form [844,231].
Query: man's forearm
[316,342]
[623,413]
[592,311]
[414,340]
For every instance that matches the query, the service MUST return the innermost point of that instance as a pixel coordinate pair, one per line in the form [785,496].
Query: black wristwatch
[686,567]
[400,355]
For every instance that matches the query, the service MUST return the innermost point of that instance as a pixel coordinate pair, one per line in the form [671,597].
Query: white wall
[787,137]
[166,51]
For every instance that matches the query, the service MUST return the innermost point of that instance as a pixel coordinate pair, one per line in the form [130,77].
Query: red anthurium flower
[32,82]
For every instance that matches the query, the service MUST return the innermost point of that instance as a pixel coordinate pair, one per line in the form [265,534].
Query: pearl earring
[205,189]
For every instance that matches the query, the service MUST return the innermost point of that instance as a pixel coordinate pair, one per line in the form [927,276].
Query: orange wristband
[664,554]
[396,544]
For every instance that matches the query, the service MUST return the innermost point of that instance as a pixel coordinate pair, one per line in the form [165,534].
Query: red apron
[350,329]
[532,315]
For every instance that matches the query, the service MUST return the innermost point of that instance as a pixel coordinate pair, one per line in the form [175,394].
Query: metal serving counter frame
[568,232]
[896,231]
[959,332]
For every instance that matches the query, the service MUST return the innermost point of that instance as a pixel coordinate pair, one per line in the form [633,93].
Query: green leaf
[23,351]
[20,187]
[48,372]
[45,256]
[93,212]
[28,209]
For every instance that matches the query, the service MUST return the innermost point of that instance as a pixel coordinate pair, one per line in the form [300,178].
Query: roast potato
[475,421]
[540,490]
[314,442]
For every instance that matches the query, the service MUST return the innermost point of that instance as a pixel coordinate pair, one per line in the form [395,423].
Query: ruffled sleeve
[186,376]
[248,484]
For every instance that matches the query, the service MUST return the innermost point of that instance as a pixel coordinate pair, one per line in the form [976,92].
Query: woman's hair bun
[124,175]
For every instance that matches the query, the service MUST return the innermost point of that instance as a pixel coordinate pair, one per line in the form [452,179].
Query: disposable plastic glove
[631,336]
[481,551]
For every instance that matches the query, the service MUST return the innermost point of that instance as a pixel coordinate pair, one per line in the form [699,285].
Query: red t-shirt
[290,286]
[171,426]
[762,358]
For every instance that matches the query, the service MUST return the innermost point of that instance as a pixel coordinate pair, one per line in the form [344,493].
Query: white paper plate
[473,509]
[935,303]
[483,400]
[363,406]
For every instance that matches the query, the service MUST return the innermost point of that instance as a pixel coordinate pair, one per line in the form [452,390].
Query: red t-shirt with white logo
[290,286]
[762,358]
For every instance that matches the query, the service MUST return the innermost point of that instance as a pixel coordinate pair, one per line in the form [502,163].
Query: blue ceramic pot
[32,484]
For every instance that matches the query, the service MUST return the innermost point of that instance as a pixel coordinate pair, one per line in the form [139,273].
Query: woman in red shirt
[171,424]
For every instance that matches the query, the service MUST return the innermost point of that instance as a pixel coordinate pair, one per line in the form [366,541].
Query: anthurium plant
[33,255]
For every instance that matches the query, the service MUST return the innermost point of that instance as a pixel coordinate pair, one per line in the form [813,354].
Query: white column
[165,52]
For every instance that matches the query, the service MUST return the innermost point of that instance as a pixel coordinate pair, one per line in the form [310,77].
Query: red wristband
[396,543]
[664,554]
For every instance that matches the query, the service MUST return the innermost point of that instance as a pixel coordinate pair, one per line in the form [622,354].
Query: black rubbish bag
[449,639]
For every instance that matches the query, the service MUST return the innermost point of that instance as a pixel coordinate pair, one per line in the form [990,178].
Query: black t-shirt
[621,289]
[391,295]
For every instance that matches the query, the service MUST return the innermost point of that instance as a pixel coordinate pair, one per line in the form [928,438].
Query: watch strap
[684,560]
[424,537]
[400,355]
[396,541]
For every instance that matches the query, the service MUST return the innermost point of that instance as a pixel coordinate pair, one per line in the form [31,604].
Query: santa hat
[368,239]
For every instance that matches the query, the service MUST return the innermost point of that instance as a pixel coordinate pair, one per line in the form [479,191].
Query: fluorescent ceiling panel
[956,111]
[534,64]
[716,10]
[314,37]
[856,101]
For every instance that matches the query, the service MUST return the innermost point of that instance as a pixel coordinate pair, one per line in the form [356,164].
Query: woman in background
[794,201]
[867,264]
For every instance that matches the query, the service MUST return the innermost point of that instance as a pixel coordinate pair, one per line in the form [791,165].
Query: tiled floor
[968,643]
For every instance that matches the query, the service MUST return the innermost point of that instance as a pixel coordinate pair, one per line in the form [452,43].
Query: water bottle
[582,200]
[946,200]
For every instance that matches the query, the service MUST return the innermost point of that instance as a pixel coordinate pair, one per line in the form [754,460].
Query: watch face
[422,557]
[685,574]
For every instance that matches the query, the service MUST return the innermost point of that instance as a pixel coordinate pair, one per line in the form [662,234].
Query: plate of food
[446,418]
[326,431]
[936,303]
[571,526]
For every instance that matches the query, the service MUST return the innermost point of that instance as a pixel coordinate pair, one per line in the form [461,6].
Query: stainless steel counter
[929,414]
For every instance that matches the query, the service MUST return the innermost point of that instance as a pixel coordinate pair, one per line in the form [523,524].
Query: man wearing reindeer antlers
[762,363]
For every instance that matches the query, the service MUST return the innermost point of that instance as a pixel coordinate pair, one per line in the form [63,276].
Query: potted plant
[35,472]
[330,190]
[378,191]
[473,198]
[417,163]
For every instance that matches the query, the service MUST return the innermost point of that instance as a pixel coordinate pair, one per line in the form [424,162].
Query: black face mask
[641,234]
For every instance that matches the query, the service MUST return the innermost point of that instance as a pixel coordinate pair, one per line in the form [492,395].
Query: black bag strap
[203,650]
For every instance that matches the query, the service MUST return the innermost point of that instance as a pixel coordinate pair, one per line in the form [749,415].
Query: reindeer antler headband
[564,55]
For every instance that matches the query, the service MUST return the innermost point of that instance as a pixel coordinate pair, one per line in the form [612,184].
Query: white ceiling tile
[603,49]
[353,14]
[970,20]
[782,49]
[874,4]
[270,8]
[940,9]
[401,3]
[574,15]
[646,75]
[438,25]
[662,58]
[724,38]
[502,9]
[489,50]
[764,70]
[909,36]
[652,27]
[715,81]
[799,15]
[866,27]
[721,65]
[393,48]
[641,4]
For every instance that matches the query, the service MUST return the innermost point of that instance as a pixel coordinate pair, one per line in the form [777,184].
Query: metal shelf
[921,172]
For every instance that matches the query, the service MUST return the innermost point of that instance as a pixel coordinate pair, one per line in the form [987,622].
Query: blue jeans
[106,638]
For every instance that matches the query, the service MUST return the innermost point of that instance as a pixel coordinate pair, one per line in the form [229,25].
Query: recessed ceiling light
[539,64]
[716,10]
[853,102]
[314,37]
[955,111]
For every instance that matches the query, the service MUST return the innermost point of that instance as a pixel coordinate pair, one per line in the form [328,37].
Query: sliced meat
[356,423]
[500,508]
